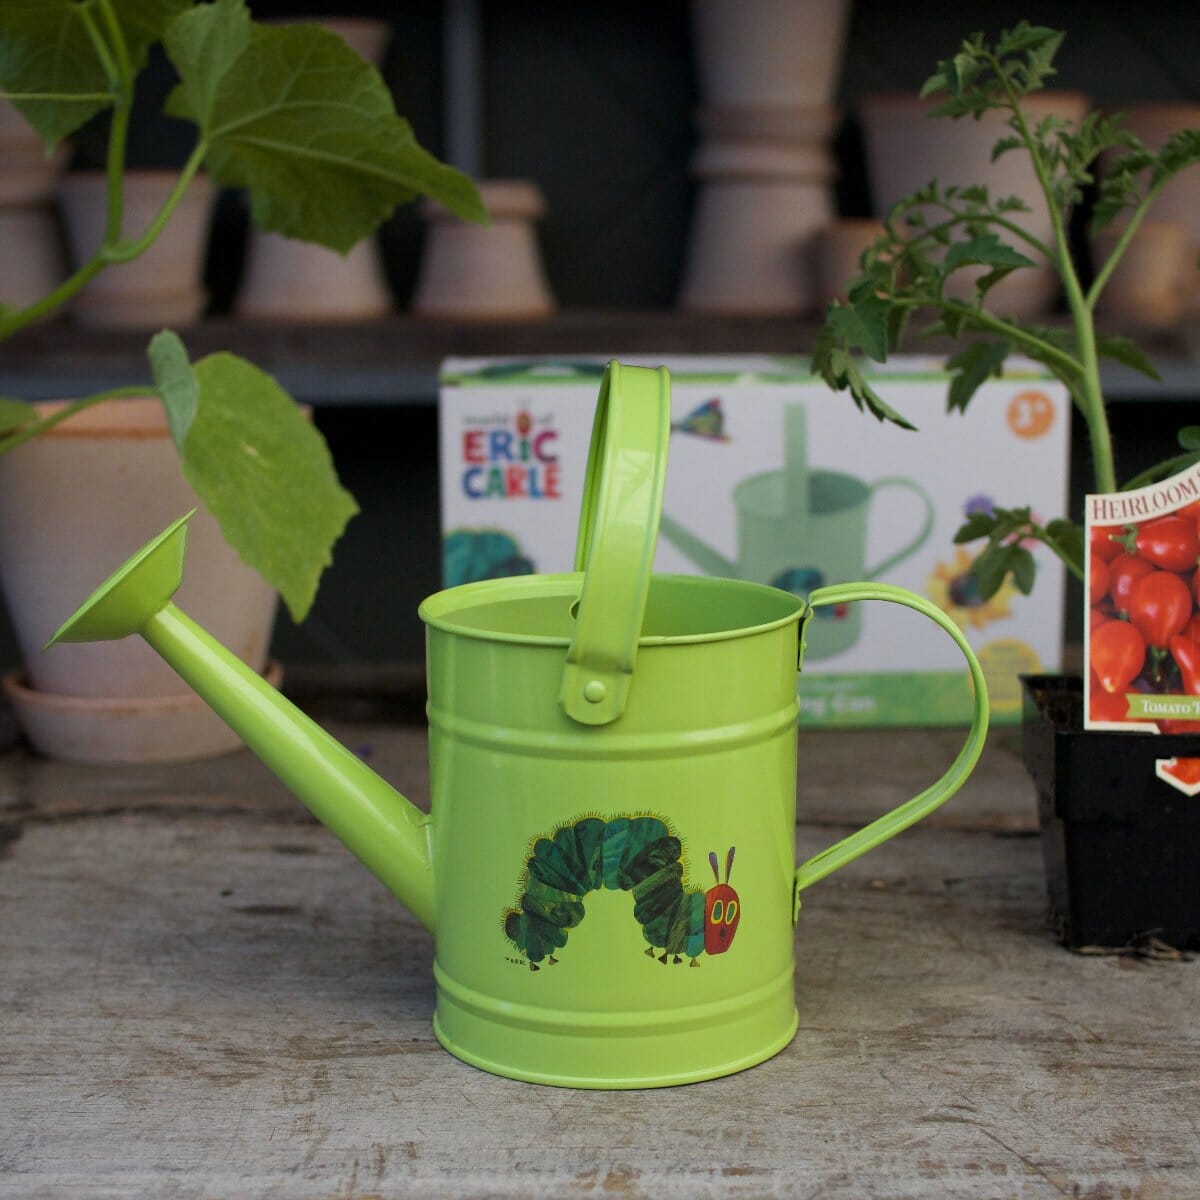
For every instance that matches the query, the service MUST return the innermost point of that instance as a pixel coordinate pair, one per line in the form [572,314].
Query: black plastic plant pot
[1122,845]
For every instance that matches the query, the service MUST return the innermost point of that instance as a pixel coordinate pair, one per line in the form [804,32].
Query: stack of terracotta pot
[768,75]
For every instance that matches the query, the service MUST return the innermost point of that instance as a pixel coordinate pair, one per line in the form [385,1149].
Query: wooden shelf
[395,361]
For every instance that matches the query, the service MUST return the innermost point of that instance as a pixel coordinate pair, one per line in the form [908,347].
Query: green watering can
[608,866]
[799,528]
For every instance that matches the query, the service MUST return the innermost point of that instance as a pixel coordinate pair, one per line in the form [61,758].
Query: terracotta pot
[290,280]
[28,175]
[72,502]
[164,286]
[765,191]
[906,148]
[475,272]
[1146,288]
[768,73]
[776,53]
[32,252]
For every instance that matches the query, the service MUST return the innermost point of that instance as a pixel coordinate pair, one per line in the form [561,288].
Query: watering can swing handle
[618,528]
[911,811]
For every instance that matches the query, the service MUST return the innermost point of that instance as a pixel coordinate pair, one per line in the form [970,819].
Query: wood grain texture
[204,996]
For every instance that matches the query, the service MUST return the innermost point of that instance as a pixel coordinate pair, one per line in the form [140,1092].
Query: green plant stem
[112,249]
[58,97]
[986,217]
[1118,251]
[27,432]
[1086,390]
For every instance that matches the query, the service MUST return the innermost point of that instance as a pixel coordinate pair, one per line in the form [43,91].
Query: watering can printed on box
[607,867]
[800,528]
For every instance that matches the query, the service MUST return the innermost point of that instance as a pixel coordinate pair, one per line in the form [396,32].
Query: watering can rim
[456,599]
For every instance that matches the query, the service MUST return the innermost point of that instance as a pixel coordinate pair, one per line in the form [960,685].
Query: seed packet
[1142,627]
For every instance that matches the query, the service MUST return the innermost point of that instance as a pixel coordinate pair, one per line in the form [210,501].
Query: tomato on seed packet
[1142,620]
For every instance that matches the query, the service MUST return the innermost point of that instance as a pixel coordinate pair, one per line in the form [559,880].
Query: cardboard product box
[774,478]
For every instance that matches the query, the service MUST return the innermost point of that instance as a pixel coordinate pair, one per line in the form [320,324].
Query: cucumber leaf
[261,468]
[296,117]
[46,49]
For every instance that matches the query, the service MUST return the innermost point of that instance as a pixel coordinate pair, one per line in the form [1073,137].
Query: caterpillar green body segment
[629,854]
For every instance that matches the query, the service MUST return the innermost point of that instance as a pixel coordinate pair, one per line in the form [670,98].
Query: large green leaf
[295,116]
[266,475]
[46,49]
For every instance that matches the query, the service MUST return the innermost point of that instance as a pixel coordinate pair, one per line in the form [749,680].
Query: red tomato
[1191,511]
[1101,543]
[1196,588]
[1097,578]
[1123,572]
[1192,628]
[1098,616]
[1160,605]
[1186,653]
[1117,652]
[1169,542]
[1103,706]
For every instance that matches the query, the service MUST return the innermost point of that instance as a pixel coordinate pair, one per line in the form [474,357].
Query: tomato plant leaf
[985,249]
[1065,538]
[266,475]
[1128,353]
[862,325]
[970,369]
[309,128]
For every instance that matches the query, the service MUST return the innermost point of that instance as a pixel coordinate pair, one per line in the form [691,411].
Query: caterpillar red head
[722,909]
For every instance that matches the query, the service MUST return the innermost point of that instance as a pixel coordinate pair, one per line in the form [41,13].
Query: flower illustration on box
[955,590]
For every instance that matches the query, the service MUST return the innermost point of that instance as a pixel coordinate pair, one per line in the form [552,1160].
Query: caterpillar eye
[718,911]
[731,912]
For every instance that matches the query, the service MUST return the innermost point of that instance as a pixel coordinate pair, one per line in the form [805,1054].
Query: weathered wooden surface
[203,996]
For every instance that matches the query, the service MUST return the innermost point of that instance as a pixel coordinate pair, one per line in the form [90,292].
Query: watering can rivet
[594,691]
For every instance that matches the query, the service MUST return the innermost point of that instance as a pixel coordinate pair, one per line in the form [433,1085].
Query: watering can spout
[378,825]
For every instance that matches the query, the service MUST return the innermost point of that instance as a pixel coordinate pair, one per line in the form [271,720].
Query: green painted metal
[591,852]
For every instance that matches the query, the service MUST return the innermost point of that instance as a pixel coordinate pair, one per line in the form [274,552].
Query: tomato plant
[1160,605]
[1118,653]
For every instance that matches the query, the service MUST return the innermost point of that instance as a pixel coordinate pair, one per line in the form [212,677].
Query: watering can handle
[618,529]
[922,534]
[921,805]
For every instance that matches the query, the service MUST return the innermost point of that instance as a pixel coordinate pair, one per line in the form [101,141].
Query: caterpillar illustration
[632,854]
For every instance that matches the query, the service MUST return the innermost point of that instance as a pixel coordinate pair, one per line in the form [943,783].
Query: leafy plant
[308,128]
[941,230]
